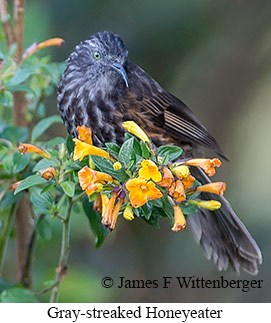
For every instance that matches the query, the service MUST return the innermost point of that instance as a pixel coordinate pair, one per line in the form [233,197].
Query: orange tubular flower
[149,170]
[188,181]
[28,148]
[105,201]
[98,203]
[47,43]
[178,193]
[179,219]
[90,179]
[215,188]
[208,165]
[182,172]
[167,179]
[84,134]
[109,209]
[140,191]
[48,173]
[115,214]
[83,149]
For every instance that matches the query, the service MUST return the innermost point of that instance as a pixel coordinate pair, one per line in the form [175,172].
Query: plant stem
[64,254]
[6,22]
[5,237]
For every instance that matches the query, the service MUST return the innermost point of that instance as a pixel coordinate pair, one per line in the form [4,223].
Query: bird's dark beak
[120,69]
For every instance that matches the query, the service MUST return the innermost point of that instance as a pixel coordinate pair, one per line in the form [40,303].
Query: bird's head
[101,57]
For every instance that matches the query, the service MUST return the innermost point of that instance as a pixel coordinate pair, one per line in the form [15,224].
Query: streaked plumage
[94,94]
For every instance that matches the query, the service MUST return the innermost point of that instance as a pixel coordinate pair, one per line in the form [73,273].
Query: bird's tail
[222,235]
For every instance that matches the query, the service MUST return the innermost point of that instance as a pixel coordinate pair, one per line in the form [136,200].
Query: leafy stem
[5,237]
[61,270]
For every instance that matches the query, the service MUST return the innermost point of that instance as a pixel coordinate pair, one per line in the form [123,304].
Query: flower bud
[48,173]
[117,166]
[128,213]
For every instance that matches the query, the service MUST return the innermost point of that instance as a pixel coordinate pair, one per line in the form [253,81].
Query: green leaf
[8,199]
[47,188]
[172,151]
[105,165]
[8,163]
[15,134]
[20,76]
[44,228]
[126,153]
[29,182]
[167,207]
[43,164]
[188,209]
[70,144]
[18,295]
[147,210]
[55,141]
[5,284]
[44,200]
[95,219]
[113,148]
[144,149]
[43,125]
[20,162]
[20,87]
[68,188]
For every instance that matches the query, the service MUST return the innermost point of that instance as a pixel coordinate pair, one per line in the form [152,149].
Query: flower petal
[134,129]
[84,134]
[179,219]
[215,188]
[83,149]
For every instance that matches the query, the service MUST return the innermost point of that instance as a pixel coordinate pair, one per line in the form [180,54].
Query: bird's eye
[97,55]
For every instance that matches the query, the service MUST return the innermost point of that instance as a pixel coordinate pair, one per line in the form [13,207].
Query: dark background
[215,56]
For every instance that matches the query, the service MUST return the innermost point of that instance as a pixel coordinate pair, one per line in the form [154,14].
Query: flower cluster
[136,180]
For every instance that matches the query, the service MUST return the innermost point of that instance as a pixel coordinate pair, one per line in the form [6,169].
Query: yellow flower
[210,205]
[167,179]
[90,179]
[181,171]
[208,165]
[105,201]
[28,148]
[48,173]
[84,134]
[215,188]
[140,191]
[128,213]
[179,219]
[149,170]
[83,149]
[134,129]
[178,194]
[117,166]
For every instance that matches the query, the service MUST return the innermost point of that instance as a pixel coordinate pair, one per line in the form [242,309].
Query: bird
[101,88]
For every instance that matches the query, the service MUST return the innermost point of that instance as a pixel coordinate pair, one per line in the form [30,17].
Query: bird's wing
[166,110]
